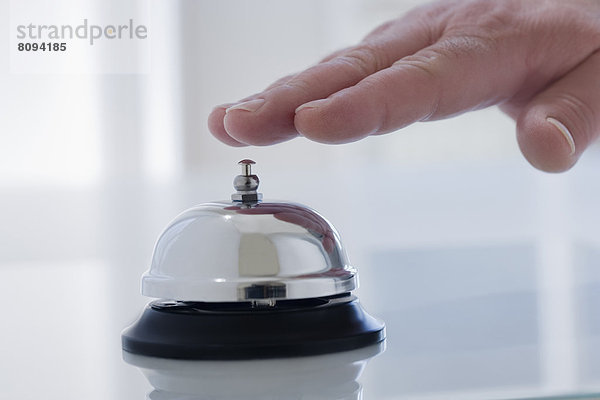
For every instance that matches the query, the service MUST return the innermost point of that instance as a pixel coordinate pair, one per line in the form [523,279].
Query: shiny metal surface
[246,184]
[247,250]
[229,251]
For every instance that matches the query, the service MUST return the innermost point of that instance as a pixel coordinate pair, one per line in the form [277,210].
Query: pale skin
[538,60]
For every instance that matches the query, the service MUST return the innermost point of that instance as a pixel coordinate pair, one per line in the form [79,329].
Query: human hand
[539,60]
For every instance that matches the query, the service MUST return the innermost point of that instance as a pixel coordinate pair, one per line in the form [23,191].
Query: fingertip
[240,128]
[545,141]
[260,127]
[217,128]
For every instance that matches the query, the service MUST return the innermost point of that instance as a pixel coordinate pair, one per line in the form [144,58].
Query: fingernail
[565,132]
[251,105]
[312,104]
[223,106]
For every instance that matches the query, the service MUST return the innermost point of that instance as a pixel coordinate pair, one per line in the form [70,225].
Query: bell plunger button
[246,184]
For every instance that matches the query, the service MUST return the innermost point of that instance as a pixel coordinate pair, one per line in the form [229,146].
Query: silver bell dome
[247,249]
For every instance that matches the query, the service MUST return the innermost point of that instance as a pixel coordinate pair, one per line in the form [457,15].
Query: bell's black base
[239,331]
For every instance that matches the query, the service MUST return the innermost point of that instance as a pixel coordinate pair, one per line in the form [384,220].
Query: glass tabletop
[489,294]
[490,336]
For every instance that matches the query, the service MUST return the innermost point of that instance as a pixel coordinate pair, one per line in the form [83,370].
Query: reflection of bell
[322,377]
[249,279]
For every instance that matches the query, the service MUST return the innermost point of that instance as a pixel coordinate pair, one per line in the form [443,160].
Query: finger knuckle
[423,62]
[481,24]
[366,58]
[466,46]
[298,84]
